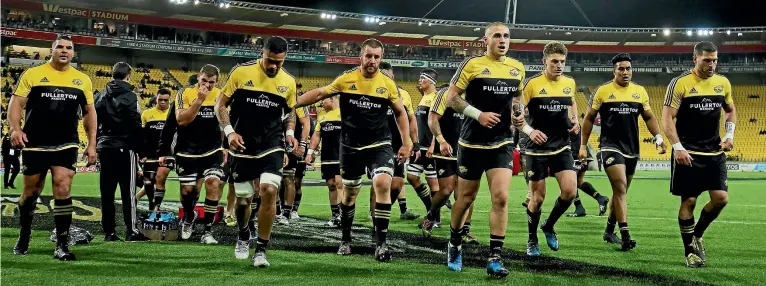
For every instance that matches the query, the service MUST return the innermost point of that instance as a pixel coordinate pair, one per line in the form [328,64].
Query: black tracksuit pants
[118,167]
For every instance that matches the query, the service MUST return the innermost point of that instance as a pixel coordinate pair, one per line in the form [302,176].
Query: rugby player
[549,98]
[327,132]
[260,122]
[53,95]
[445,126]
[153,121]
[296,168]
[421,162]
[619,102]
[695,99]
[365,96]
[198,150]
[581,167]
[490,82]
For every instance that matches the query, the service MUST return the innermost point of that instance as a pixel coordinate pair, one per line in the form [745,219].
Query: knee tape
[382,171]
[271,179]
[353,184]
[189,180]
[414,169]
[214,173]
[244,189]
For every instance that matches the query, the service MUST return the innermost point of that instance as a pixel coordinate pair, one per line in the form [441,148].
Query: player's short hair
[493,24]
[275,45]
[121,70]
[702,47]
[210,70]
[621,57]
[64,37]
[385,66]
[164,91]
[554,47]
[372,43]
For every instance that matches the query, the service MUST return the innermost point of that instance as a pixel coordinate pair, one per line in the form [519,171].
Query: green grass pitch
[305,256]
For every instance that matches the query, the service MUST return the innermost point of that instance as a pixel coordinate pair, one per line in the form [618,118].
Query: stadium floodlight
[220,5]
[477,29]
[654,35]
[430,24]
[728,32]
[227,5]
[700,32]
[377,20]
[334,16]
[323,15]
[366,19]
[666,32]
[689,32]
[382,23]
[420,23]
[739,34]
[196,2]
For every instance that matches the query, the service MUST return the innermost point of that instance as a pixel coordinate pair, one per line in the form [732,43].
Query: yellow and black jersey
[300,113]
[330,127]
[55,100]
[619,108]
[202,136]
[490,86]
[259,104]
[153,121]
[548,102]
[421,114]
[450,123]
[396,138]
[699,102]
[364,103]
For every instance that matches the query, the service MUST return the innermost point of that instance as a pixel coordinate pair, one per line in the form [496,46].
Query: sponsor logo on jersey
[542,91]
[486,72]
[707,104]
[262,101]
[624,109]
[554,106]
[353,87]
[58,94]
[500,88]
[364,102]
[249,83]
[693,91]
[45,79]
[611,96]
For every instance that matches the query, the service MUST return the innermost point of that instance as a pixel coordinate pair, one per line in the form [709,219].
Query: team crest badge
[381,90]
[463,169]
[234,175]
[282,89]
[636,96]
[718,88]
[77,81]
[567,90]
[441,171]
[610,160]
[342,172]
[180,170]
[515,72]
[726,183]
[530,173]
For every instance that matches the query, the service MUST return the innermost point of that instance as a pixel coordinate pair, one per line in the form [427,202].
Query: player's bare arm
[403,122]
[17,104]
[730,117]
[90,124]
[573,117]
[587,128]
[290,127]
[454,101]
[305,122]
[669,127]
[311,97]
[316,138]
[222,114]
[433,124]
[654,127]
[184,116]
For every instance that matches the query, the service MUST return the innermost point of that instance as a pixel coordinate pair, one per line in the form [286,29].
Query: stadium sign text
[65,10]
[444,65]
[456,44]
[408,63]
[539,68]
[610,69]
[342,60]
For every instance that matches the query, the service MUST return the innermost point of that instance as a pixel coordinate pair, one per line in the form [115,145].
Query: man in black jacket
[119,138]
[10,162]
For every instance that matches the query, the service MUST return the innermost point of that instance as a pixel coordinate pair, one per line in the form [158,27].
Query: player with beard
[198,150]
[445,125]
[327,132]
[53,95]
[695,99]
[259,127]
[153,120]
[491,83]
[365,96]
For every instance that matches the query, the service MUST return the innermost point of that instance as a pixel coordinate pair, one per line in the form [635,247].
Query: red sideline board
[201,213]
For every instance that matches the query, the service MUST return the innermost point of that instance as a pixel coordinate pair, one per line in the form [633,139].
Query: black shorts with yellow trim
[613,157]
[378,158]
[445,166]
[473,161]
[247,168]
[38,161]
[422,165]
[330,169]
[295,165]
[191,168]
[538,165]
[707,173]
